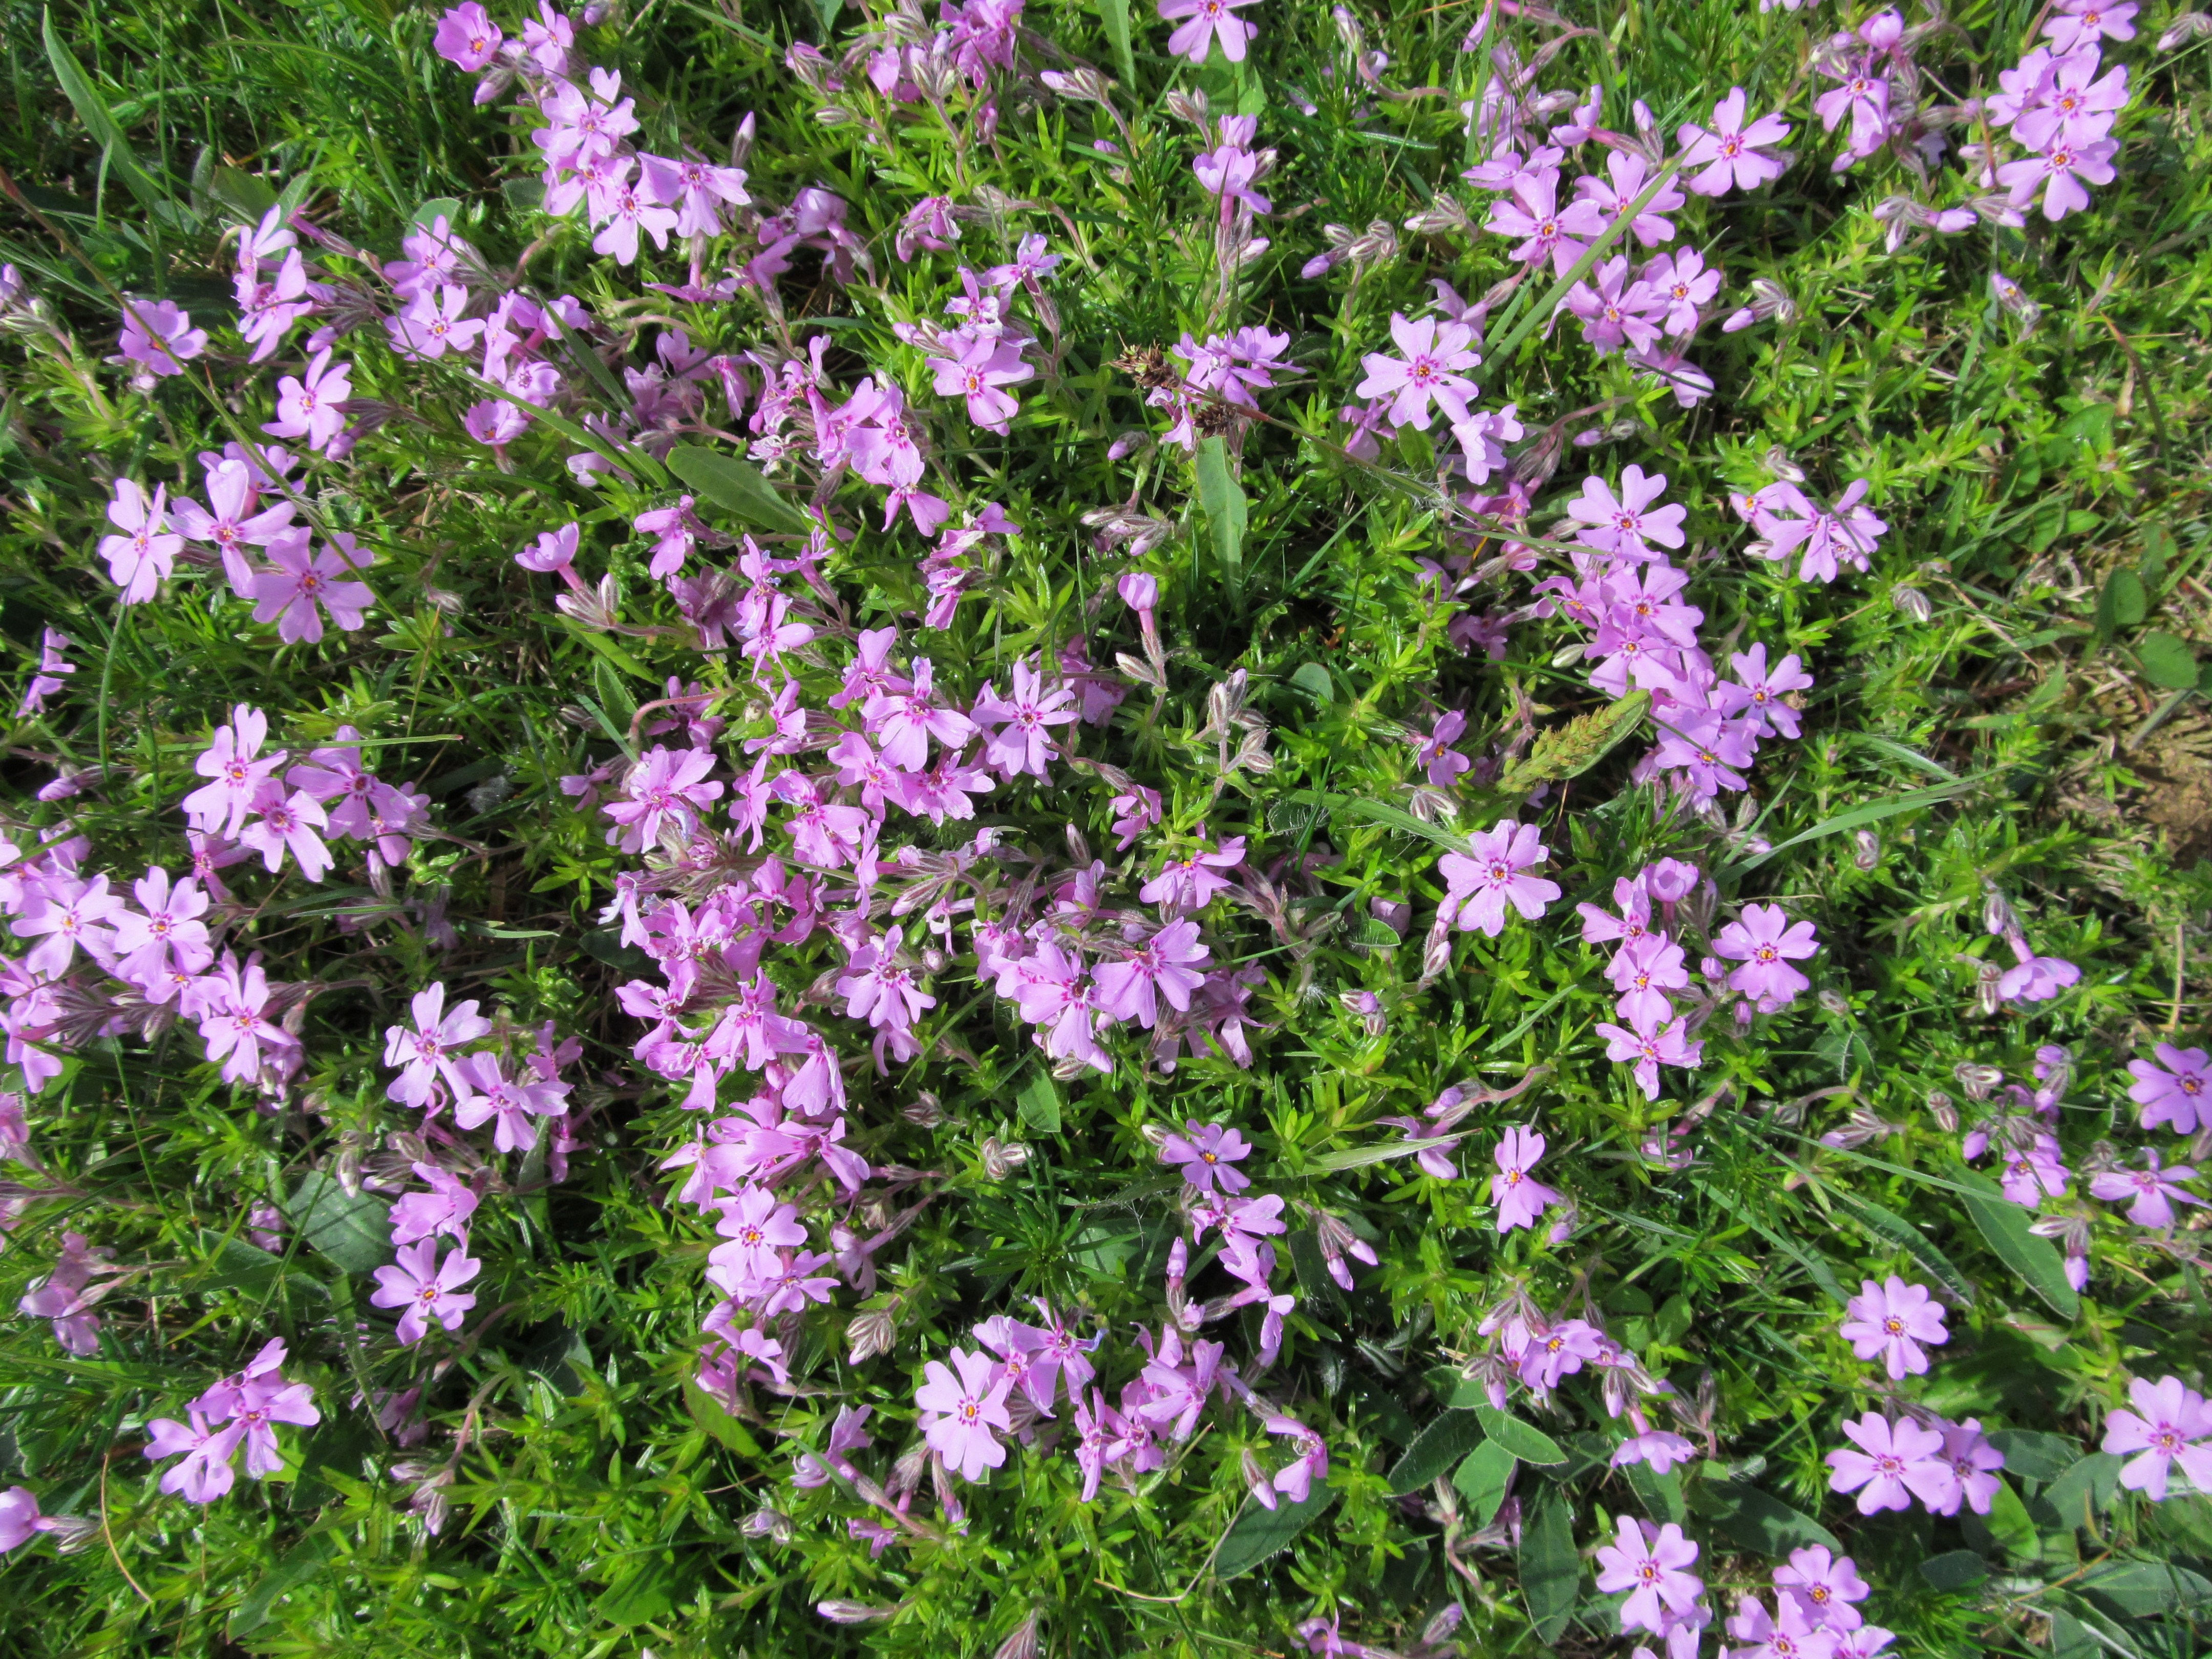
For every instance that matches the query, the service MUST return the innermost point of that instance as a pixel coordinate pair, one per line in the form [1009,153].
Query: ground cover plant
[1061,828]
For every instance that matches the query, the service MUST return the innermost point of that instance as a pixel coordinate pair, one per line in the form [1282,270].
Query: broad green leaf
[1529,1445]
[2144,1588]
[2124,604]
[1438,1447]
[92,110]
[2167,661]
[1260,1533]
[446,207]
[1754,1521]
[1956,1571]
[1040,1104]
[1888,1224]
[354,1230]
[1312,678]
[707,1412]
[2034,1456]
[2009,1524]
[1223,498]
[1660,1494]
[737,487]
[1551,1570]
[2005,1225]
[235,1264]
[1115,15]
[2088,1486]
[1482,1480]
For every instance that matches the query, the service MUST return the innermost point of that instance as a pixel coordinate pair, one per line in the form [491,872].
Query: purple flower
[1206,1155]
[697,189]
[1733,155]
[427,1290]
[1617,310]
[52,675]
[140,559]
[1649,1562]
[2174,1088]
[666,792]
[1892,1320]
[960,1414]
[1480,885]
[431,324]
[1531,211]
[1426,373]
[289,595]
[467,37]
[1825,1585]
[1642,971]
[2165,1425]
[1189,883]
[205,1474]
[231,1005]
[446,1209]
[2057,174]
[66,1295]
[1520,1200]
[1650,1048]
[2079,23]
[2152,1189]
[1790,1632]
[1629,173]
[288,823]
[233,760]
[1764,941]
[1627,524]
[1020,741]
[2031,1173]
[976,372]
[1760,692]
[2035,979]
[1894,1463]
[1206,21]
[513,1101]
[1168,964]
[1973,1463]
[157,339]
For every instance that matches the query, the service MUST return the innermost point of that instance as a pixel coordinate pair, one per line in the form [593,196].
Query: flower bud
[1946,1114]
[852,1613]
[1980,1081]
[1140,589]
[1023,1644]
[1997,916]
[874,1331]
[1912,602]
[924,1113]
[1866,849]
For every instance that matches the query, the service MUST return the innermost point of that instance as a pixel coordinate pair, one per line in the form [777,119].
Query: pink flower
[697,189]
[65,913]
[1733,155]
[1757,689]
[1973,1463]
[66,1295]
[289,595]
[1617,310]
[1649,1563]
[1766,941]
[425,1290]
[756,1225]
[1790,1632]
[1020,740]
[1208,22]
[1206,1155]
[1629,173]
[140,559]
[1441,764]
[2057,174]
[2030,1175]
[262,1403]
[1426,373]
[1531,211]
[1650,1048]
[666,792]
[307,407]
[1480,885]
[960,1414]
[628,208]
[205,1474]
[230,520]
[1627,524]
[2152,1189]
[20,1521]
[467,37]
[233,761]
[513,1101]
[977,372]
[2174,1088]
[428,1053]
[1189,883]
[1165,964]
[230,1005]
[446,1209]
[1892,1320]
[431,324]
[52,674]
[2166,1426]
[1825,1585]
[164,934]
[1521,1200]
[2034,979]
[1894,1463]
[289,824]
[2079,23]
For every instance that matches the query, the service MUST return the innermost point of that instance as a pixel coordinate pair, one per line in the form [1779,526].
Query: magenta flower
[2031,1173]
[308,407]
[1825,1585]
[66,1296]
[959,1413]
[2078,108]
[1020,723]
[1790,1632]
[512,1101]
[1629,173]
[1204,22]
[51,675]
[1617,310]
[2153,1190]
[289,824]
[233,761]
[1642,971]
[1892,1320]
[1426,373]
[2166,1426]
[1440,762]
[140,559]
[626,208]
[2057,174]
[233,519]
[1766,941]
[666,792]
[205,1474]
[157,341]
[1894,1463]
[2034,979]
[259,1405]
[65,913]
[756,1225]
[1481,883]
[20,1521]
[1206,1156]
[1734,155]
[2174,1088]
[1760,691]
[431,324]
[426,1291]
[1189,882]
[1530,211]
[2078,23]
[428,1052]
[1167,964]
[231,1005]
[164,934]
[1520,1200]
[1649,1563]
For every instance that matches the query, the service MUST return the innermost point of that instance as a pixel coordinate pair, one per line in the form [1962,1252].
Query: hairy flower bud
[1866,849]
[925,1113]
[874,1331]
[852,1613]
[1912,602]
[1941,1109]
[1980,1081]
[1023,1644]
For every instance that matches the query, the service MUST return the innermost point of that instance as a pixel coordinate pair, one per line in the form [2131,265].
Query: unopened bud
[1997,916]
[1980,1081]
[1866,849]
[1833,1002]
[1023,1644]
[1189,106]
[852,1613]
[1941,1109]
[1912,602]
[874,1331]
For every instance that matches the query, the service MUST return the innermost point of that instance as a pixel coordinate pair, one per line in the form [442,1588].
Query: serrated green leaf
[2005,1225]
[1260,1533]
[1435,1450]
